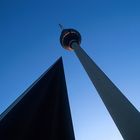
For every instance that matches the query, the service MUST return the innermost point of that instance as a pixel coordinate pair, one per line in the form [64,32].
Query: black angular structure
[124,114]
[42,112]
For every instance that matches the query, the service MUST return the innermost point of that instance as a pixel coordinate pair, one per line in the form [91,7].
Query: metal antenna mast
[61,26]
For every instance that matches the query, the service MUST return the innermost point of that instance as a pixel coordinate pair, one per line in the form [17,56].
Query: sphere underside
[68,36]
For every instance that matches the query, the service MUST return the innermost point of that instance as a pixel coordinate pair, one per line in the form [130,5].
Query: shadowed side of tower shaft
[42,112]
[124,114]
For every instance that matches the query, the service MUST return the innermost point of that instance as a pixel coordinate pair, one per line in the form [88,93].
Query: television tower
[124,114]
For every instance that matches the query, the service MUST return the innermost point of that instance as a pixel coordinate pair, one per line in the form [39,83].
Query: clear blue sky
[29,44]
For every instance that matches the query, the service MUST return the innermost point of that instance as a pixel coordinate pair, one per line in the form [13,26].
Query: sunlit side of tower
[124,114]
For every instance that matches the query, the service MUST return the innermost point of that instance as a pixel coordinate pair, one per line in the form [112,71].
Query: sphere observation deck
[69,36]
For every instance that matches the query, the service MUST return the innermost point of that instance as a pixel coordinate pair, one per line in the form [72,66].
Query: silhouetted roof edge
[3,114]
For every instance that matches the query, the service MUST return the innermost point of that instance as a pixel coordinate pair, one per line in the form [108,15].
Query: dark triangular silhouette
[42,112]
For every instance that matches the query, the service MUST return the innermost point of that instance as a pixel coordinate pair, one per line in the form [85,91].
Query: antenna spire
[61,26]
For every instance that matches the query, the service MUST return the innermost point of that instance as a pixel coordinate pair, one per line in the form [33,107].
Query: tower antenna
[61,26]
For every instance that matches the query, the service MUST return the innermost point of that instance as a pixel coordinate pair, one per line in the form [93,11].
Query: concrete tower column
[124,114]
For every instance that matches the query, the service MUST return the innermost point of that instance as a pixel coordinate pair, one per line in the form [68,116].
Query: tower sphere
[68,36]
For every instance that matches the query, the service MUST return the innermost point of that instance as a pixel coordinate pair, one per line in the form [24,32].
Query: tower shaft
[124,114]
